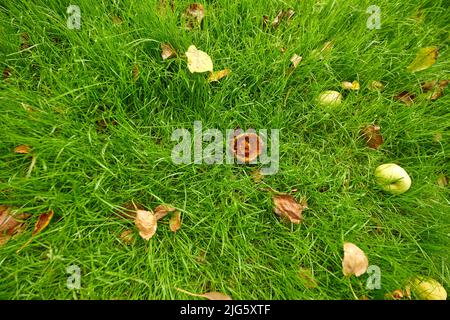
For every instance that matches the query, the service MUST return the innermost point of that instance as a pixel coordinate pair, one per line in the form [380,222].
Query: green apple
[330,98]
[392,178]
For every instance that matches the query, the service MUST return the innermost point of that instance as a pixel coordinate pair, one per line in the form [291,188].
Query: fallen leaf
[116,19]
[146,224]
[175,221]
[128,210]
[10,224]
[289,14]
[42,222]
[442,180]
[22,149]
[193,16]
[376,85]
[277,20]
[354,261]
[295,59]
[208,295]
[246,147]
[372,136]
[288,208]
[167,51]
[405,97]
[265,20]
[257,176]
[424,59]
[127,236]
[135,72]
[198,61]
[350,85]
[162,210]
[217,75]
[307,278]
[25,38]
[428,289]
[436,88]
[7,72]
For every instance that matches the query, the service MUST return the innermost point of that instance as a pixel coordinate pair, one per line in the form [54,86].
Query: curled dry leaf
[395,295]
[7,72]
[437,89]
[146,223]
[135,72]
[10,224]
[375,85]
[246,147]
[162,210]
[354,261]
[167,51]
[265,21]
[424,59]
[208,295]
[127,237]
[128,210]
[288,208]
[405,97]
[295,59]
[350,85]
[22,149]
[175,221]
[372,136]
[277,20]
[193,16]
[217,75]
[42,222]
[198,61]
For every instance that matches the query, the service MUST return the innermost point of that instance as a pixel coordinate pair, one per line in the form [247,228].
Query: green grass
[85,174]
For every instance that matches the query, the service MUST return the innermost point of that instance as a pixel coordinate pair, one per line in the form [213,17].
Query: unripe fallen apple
[392,178]
[330,98]
[429,289]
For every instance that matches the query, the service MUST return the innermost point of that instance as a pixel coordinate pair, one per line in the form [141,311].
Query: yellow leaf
[175,221]
[429,289]
[350,85]
[355,261]
[425,58]
[217,75]
[198,61]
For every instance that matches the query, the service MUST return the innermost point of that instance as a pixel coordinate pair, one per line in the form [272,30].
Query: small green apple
[330,98]
[392,178]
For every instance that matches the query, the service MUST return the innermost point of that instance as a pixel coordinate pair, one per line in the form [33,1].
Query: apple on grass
[392,178]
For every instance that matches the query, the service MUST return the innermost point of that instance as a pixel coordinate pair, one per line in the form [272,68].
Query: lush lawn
[102,139]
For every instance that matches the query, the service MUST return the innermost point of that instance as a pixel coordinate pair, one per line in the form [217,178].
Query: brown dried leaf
[214,295]
[162,210]
[167,51]
[372,136]
[42,222]
[295,59]
[405,97]
[307,278]
[22,149]
[246,146]
[193,15]
[289,14]
[128,210]
[277,20]
[437,88]
[7,72]
[146,224]
[10,224]
[428,85]
[287,208]
[354,261]
[175,221]
[217,75]
[127,237]
[265,21]
[135,72]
